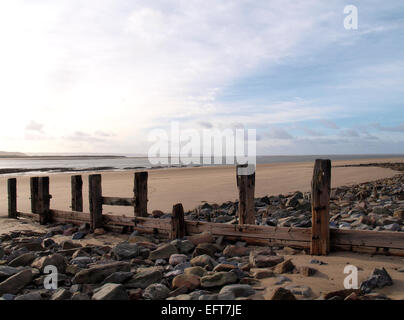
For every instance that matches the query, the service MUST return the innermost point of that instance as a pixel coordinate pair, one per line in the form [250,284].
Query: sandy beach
[192,186]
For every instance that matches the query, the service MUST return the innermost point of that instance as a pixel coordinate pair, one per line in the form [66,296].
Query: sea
[60,164]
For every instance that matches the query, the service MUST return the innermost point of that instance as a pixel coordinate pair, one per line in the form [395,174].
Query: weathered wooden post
[140,193]
[246,189]
[95,198]
[177,222]
[33,181]
[77,193]
[12,197]
[320,206]
[43,205]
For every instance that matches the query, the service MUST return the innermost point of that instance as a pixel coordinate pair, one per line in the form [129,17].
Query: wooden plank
[320,198]
[116,201]
[43,200]
[12,197]
[367,238]
[33,181]
[140,193]
[95,199]
[177,222]
[246,189]
[77,193]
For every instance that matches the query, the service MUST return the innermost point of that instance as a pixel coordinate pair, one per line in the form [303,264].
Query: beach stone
[282,294]
[340,294]
[392,227]
[29,296]
[156,291]
[177,258]
[399,213]
[218,279]
[205,248]
[23,260]
[82,262]
[98,273]
[68,244]
[197,271]
[238,290]
[61,294]
[204,237]
[264,261]
[307,271]
[224,267]
[261,273]
[183,246]
[235,251]
[135,294]
[204,261]
[48,242]
[378,279]
[182,266]
[55,259]
[163,252]
[79,235]
[111,291]
[8,297]
[145,278]
[300,290]
[16,282]
[189,281]
[118,277]
[282,280]
[284,267]
[7,271]
[125,251]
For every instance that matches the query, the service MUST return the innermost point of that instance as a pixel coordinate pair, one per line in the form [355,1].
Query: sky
[97,76]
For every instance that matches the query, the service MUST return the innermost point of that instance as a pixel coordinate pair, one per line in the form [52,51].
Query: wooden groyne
[319,239]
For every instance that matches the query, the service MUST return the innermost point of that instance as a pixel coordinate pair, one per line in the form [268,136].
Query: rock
[238,290]
[204,237]
[16,282]
[224,267]
[48,242]
[307,271]
[111,291]
[82,262]
[55,259]
[189,281]
[282,294]
[235,251]
[78,235]
[156,291]
[378,279]
[204,261]
[176,259]
[29,296]
[315,261]
[145,278]
[264,261]
[118,277]
[98,273]
[1,253]
[68,244]
[197,271]
[163,252]
[218,279]
[284,267]
[261,273]
[399,213]
[341,294]
[125,251]
[205,248]
[61,294]
[135,294]
[282,280]
[7,271]
[183,246]
[99,231]
[300,290]
[23,260]
[392,227]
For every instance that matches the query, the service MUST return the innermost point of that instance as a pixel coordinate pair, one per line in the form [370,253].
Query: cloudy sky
[98,75]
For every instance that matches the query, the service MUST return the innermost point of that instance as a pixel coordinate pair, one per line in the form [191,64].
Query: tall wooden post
[33,181]
[320,198]
[246,189]
[77,193]
[140,193]
[95,199]
[43,206]
[12,197]
[177,222]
